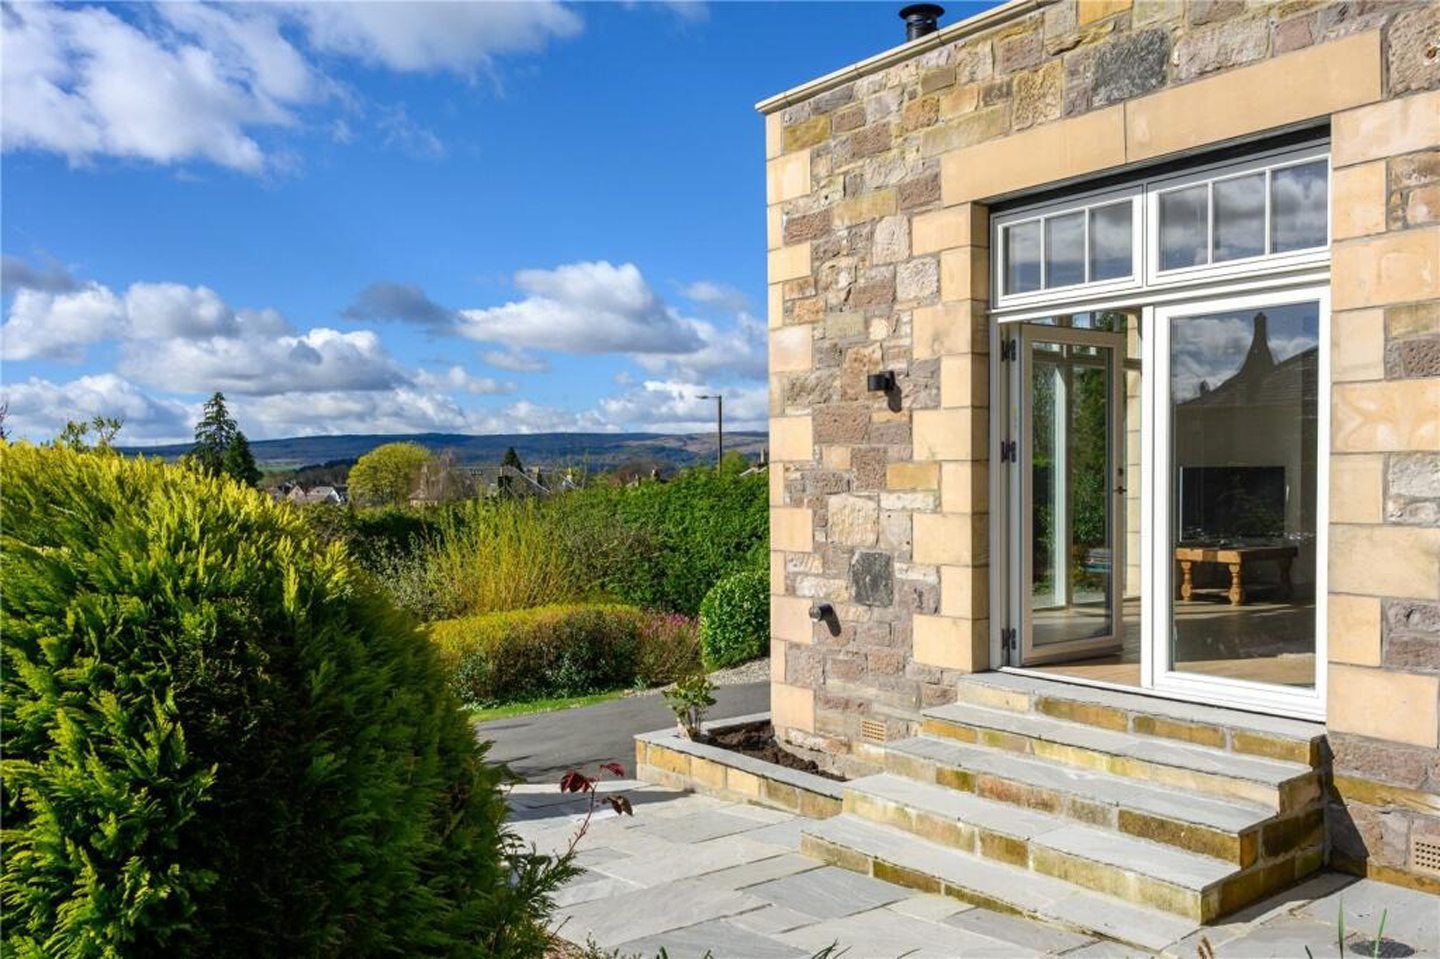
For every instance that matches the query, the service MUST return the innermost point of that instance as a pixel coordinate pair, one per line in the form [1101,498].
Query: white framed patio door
[1070,485]
[1236,473]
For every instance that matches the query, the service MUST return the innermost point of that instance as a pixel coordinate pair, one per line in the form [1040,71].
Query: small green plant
[735,619]
[690,699]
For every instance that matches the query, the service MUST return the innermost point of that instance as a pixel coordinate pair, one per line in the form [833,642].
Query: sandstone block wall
[878,257]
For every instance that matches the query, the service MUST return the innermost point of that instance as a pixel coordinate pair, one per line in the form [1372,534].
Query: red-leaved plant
[575,781]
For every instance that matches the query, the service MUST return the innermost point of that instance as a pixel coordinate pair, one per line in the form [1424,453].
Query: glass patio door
[1071,493]
[1239,494]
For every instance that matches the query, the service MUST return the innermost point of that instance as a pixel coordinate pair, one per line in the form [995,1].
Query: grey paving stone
[785,834]
[646,912]
[1411,917]
[1014,930]
[883,934]
[765,870]
[1106,949]
[698,827]
[684,861]
[718,938]
[828,893]
[772,919]
[928,907]
[1119,920]
[590,886]
[1285,939]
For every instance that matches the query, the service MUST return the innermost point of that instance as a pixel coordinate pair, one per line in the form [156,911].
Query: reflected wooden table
[1236,558]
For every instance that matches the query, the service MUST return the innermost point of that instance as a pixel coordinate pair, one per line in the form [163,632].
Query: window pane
[1239,217]
[1244,414]
[1065,250]
[1298,200]
[1022,258]
[1111,244]
[1184,230]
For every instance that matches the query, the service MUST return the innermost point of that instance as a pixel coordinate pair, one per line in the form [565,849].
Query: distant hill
[596,450]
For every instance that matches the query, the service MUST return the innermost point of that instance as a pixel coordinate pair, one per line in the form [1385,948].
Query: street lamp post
[719,399]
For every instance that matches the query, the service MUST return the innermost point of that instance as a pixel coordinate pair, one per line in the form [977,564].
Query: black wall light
[884,382]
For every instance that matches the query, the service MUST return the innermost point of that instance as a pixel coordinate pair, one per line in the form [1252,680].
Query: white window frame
[1251,265]
[1146,275]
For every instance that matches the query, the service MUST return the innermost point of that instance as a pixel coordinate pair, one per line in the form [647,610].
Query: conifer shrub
[523,654]
[221,741]
[735,619]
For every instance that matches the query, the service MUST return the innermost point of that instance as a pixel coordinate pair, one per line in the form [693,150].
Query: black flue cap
[921,19]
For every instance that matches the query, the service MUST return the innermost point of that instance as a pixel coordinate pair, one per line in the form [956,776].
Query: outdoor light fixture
[821,611]
[882,382]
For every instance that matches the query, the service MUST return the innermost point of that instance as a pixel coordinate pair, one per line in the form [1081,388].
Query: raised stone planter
[667,758]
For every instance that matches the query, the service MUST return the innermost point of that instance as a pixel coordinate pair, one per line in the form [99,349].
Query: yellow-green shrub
[490,556]
[220,740]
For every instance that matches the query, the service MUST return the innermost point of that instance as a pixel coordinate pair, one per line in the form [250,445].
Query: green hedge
[525,654]
[735,619]
[664,545]
[220,740]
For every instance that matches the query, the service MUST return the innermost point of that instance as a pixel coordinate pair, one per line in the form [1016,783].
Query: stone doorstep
[1271,737]
[1237,832]
[1138,870]
[890,854]
[668,758]
[1279,785]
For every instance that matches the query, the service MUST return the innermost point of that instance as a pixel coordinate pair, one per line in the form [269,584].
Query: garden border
[668,759]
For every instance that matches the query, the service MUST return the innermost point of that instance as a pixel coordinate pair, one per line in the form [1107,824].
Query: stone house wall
[877,181]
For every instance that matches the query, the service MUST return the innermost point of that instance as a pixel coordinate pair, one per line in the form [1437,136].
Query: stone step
[1155,875]
[1288,787]
[1271,737]
[1235,831]
[895,856]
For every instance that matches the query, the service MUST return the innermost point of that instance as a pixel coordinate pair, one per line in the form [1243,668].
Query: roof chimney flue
[921,19]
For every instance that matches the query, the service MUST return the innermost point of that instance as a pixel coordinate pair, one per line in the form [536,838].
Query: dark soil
[758,740]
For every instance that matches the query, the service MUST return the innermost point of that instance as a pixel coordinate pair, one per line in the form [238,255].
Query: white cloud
[317,361]
[456,378]
[668,406]
[39,409]
[516,361]
[738,350]
[179,82]
[583,308]
[462,38]
[716,294]
[399,131]
[158,310]
[59,325]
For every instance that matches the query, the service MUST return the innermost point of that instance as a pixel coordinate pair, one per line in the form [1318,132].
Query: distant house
[509,481]
[301,496]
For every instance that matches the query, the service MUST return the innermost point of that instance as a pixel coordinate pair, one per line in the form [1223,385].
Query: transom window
[1269,212]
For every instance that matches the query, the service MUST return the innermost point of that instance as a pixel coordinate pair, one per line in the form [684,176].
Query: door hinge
[1008,640]
[1009,350]
[1007,451]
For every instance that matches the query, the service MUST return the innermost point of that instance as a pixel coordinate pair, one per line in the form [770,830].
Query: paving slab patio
[694,875]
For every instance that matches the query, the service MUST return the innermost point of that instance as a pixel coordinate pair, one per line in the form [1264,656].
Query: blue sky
[394,218]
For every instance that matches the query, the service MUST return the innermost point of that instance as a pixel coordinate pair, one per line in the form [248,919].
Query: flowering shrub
[669,649]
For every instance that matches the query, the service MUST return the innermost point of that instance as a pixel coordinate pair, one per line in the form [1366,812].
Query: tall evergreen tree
[240,462]
[213,436]
[512,460]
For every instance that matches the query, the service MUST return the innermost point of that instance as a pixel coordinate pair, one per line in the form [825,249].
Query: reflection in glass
[1243,468]
[1239,217]
[1022,257]
[1184,227]
[1299,196]
[1111,242]
[1072,531]
[1065,250]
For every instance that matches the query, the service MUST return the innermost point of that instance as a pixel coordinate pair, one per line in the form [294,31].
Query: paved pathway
[694,874]
[543,746]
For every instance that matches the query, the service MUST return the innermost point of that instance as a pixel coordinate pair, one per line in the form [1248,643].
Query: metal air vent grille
[1425,853]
